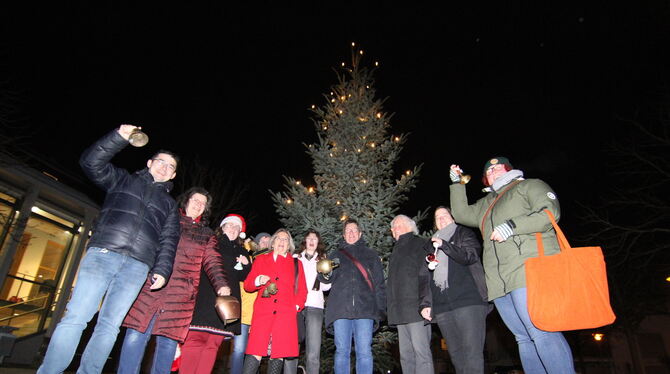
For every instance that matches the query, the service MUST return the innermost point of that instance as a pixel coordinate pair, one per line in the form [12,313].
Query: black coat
[139,218]
[404,283]
[350,296]
[205,317]
[467,285]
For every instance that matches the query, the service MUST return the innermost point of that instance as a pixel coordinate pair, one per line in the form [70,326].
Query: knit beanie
[260,236]
[496,161]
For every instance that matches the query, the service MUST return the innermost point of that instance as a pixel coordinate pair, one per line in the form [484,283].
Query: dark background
[543,83]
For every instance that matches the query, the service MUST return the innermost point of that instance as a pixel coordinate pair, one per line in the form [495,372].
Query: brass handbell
[465,178]
[138,138]
[270,289]
[250,245]
[325,266]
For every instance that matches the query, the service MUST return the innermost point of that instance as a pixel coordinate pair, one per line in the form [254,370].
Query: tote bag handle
[562,240]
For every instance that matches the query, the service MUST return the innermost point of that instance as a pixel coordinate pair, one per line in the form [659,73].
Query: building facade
[44,228]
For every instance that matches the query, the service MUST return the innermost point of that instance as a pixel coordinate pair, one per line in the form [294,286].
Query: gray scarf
[441,273]
[504,180]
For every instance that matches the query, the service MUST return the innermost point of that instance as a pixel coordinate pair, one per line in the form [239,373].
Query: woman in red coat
[167,312]
[274,328]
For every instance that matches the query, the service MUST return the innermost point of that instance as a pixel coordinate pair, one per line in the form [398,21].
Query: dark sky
[539,82]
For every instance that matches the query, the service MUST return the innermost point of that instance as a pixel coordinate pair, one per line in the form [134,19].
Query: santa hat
[237,220]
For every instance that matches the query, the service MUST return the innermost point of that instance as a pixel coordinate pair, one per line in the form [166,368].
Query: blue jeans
[361,330]
[134,345]
[239,346]
[540,351]
[119,279]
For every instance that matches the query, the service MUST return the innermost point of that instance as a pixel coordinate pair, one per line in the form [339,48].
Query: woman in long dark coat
[207,331]
[167,312]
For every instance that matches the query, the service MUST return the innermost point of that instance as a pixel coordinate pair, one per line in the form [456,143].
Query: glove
[454,176]
[505,230]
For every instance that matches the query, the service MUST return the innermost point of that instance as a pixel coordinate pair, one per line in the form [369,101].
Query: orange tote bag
[568,290]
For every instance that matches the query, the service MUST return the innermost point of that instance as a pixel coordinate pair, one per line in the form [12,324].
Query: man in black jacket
[136,234]
[357,300]
[403,288]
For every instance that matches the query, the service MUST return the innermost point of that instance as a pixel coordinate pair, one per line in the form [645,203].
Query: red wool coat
[275,316]
[174,303]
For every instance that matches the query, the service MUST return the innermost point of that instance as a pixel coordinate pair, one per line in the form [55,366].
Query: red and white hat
[237,220]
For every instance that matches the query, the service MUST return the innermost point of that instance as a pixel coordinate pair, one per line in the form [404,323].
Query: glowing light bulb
[297,182]
[289,201]
[408,172]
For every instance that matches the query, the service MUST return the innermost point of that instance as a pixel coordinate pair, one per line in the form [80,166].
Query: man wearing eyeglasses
[135,237]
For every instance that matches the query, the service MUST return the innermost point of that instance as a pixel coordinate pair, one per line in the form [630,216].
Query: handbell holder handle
[138,138]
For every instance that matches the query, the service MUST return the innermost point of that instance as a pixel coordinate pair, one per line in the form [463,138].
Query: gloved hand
[454,176]
[502,232]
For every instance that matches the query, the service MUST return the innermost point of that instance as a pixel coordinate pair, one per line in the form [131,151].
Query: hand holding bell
[270,289]
[431,259]
[326,265]
[457,176]
[138,138]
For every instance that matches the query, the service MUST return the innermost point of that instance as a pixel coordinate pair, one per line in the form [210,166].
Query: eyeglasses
[493,168]
[162,163]
[193,200]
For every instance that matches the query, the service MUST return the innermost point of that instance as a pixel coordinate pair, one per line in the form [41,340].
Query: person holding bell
[280,280]
[509,217]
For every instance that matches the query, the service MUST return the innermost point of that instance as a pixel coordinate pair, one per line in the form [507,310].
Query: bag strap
[360,268]
[562,240]
[295,271]
[481,227]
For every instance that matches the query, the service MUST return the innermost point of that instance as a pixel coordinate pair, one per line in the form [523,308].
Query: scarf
[441,273]
[504,180]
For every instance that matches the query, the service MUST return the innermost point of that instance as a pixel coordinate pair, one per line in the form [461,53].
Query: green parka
[521,205]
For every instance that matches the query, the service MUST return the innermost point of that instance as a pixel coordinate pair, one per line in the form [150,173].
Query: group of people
[154,266]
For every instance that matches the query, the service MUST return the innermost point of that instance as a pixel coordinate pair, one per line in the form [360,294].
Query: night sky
[542,83]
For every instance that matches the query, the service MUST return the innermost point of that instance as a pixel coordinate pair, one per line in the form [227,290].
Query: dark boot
[275,366]
[251,365]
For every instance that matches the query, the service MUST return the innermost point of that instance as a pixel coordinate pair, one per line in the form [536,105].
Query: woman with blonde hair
[280,280]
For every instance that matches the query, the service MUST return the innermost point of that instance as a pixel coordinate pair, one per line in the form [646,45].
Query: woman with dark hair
[167,312]
[280,281]
[310,319]
[509,217]
[207,330]
[454,293]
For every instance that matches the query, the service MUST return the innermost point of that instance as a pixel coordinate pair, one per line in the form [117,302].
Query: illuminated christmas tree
[354,176]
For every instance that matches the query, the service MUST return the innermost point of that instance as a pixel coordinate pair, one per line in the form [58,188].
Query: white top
[314,298]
